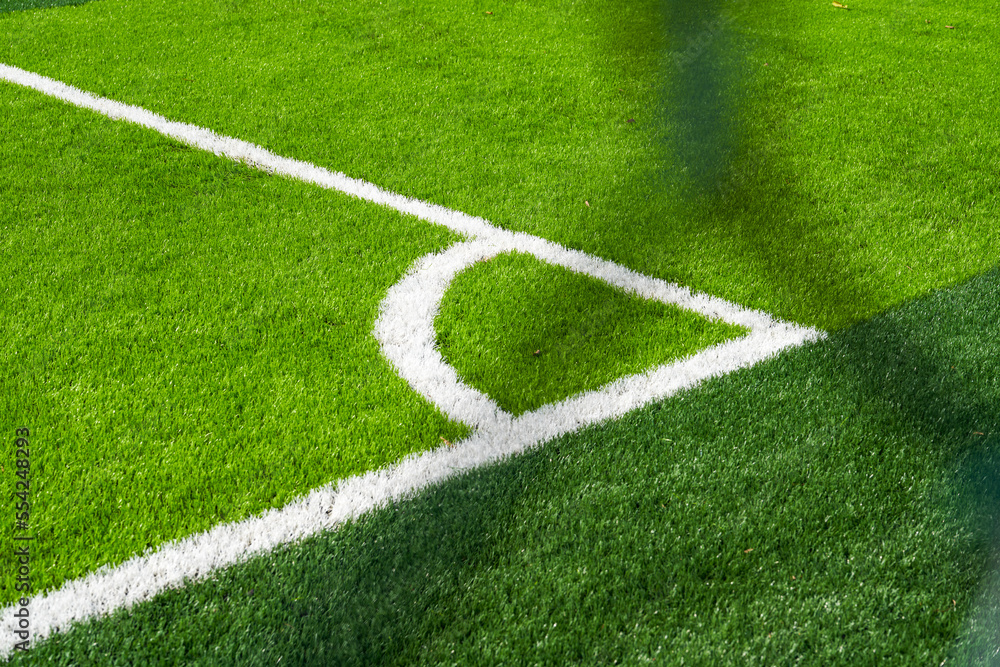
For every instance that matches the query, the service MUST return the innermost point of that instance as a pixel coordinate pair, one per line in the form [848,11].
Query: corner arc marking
[497,436]
[405,331]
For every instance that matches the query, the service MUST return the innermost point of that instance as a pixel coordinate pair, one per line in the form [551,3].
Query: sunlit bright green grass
[864,147]
[188,340]
[834,506]
[527,333]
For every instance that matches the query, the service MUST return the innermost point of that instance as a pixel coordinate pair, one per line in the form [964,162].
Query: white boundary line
[405,329]
[406,332]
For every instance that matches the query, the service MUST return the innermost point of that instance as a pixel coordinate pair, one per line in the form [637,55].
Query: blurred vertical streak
[700,90]
[979,640]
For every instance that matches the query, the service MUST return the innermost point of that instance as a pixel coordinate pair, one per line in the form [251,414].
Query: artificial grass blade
[527,333]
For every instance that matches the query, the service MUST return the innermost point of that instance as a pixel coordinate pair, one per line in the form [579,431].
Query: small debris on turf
[840,6]
[537,352]
[630,120]
[447,442]
[950,27]
[587,203]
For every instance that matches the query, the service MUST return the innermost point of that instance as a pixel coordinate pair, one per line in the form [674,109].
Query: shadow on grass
[738,190]
[21,5]
[908,363]
[392,583]
[801,498]
[804,446]
[717,201]
[701,96]
[739,193]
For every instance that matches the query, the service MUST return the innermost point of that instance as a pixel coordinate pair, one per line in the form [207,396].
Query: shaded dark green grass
[847,158]
[21,5]
[188,340]
[528,333]
[701,91]
[832,506]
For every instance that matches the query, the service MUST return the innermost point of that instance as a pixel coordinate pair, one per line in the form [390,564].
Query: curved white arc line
[498,435]
[462,223]
[405,331]
[194,558]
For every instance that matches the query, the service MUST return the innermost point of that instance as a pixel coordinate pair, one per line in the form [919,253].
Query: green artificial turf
[835,505]
[21,5]
[188,340]
[847,162]
[527,333]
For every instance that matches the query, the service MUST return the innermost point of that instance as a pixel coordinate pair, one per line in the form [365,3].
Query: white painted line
[405,330]
[248,153]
